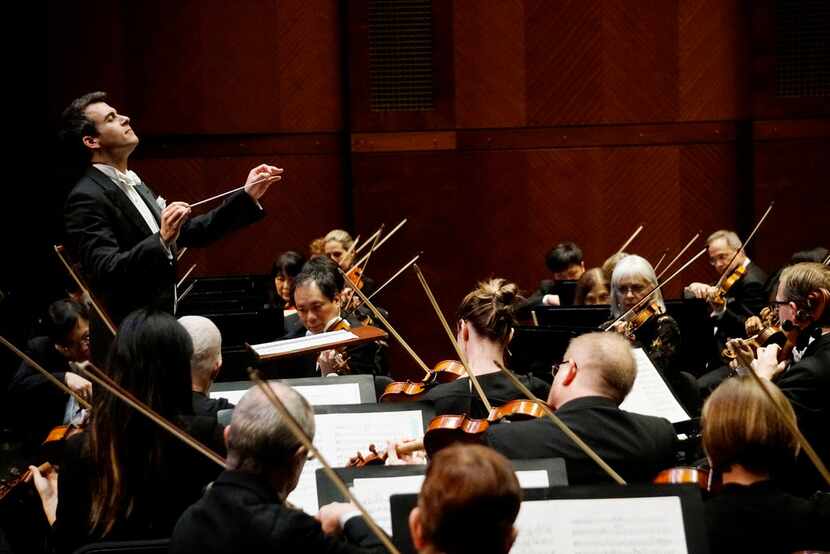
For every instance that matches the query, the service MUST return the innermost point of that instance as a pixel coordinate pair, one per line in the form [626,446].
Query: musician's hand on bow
[332,361]
[172,218]
[330,514]
[78,385]
[260,178]
[766,363]
[47,489]
[551,300]
[701,290]
[753,325]
[413,458]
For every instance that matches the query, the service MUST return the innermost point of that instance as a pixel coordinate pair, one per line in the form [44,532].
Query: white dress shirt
[127,183]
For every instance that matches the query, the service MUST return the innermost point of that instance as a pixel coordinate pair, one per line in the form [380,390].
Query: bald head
[604,367]
[259,437]
[207,347]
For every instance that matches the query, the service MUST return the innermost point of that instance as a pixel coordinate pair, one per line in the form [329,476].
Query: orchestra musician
[125,478]
[485,322]
[37,404]
[588,386]
[565,262]
[284,270]
[592,288]
[205,364]
[244,510]
[801,304]
[751,449]
[124,235]
[337,246]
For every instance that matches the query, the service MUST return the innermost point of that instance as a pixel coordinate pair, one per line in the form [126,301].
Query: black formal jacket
[125,262]
[457,397]
[807,386]
[164,494]
[744,299]
[762,518]
[37,404]
[240,513]
[636,446]
[204,405]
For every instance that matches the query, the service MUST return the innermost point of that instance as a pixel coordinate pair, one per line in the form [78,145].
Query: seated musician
[743,299]
[750,447]
[565,263]
[244,510]
[802,302]
[205,364]
[611,262]
[592,288]
[317,296]
[284,270]
[588,387]
[37,404]
[125,477]
[486,318]
[338,247]
[472,484]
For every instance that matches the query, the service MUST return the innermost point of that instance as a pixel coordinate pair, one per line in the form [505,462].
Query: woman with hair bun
[484,328]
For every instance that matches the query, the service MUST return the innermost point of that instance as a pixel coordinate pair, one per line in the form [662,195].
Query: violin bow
[630,239]
[371,238]
[743,244]
[561,425]
[660,261]
[679,254]
[185,276]
[382,319]
[309,445]
[181,253]
[406,266]
[104,381]
[348,307]
[746,361]
[378,245]
[461,357]
[654,289]
[51,378]
[60,251]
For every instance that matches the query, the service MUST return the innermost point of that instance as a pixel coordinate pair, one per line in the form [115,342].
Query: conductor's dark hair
[75,125]
[288,263]
[562,256]
[61,318]
[322,271]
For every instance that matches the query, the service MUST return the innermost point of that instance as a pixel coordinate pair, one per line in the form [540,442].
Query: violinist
[751,448]
[125,478]
[37,405]
[486,318]
[317,293]
[802,304]
[565,263]
[205,364]
[745,298]
[588,386]
[592,288]
[244,510]
[467,483]
[337,246]
[287,266]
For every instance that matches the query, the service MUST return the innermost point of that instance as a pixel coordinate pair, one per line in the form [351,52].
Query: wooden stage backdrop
[551,120]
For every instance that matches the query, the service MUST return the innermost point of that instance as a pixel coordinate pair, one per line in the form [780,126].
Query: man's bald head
[259,436]
[207,346]
[605,364]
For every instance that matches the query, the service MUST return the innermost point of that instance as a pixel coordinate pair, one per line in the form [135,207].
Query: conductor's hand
[260,178]
[172,218]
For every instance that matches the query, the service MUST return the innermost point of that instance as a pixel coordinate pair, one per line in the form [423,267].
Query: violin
[768,335]
[375,457]
[6,487]
[702,477]
[718,298]
[640,318]
[445,371]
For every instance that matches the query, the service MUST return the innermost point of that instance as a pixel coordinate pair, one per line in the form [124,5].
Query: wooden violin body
[701,477]
[718,299]
[445,371]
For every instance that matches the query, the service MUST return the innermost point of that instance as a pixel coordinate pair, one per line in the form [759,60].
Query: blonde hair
[340,236]
[741,426]
[800,280]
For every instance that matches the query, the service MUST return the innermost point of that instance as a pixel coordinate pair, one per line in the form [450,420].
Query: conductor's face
[313,308]
[114,131]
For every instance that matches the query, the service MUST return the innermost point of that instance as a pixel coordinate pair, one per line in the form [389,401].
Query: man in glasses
[588,387]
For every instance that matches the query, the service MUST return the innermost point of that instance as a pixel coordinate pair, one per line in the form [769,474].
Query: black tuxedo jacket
[240,513]
[636,446]
[127,266]
[744,299]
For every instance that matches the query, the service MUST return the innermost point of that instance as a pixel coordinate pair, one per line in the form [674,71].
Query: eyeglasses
[634,289]
[773,304]
[554,369]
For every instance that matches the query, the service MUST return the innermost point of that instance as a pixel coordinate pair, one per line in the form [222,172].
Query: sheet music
[341,436]
[374,494]
[533,479]
[339,393]
[300,343]
[652,525]
[650,395]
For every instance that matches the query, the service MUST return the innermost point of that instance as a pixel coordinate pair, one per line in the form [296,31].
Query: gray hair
[732,240]
[207,343]
[259,435]
[632,266]
[608,359]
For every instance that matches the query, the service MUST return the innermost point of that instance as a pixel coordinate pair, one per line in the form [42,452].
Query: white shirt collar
[129,178]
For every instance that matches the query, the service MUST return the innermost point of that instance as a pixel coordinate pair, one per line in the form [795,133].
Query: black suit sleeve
[236,212]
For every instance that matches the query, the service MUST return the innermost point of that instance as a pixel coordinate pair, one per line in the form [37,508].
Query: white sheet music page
[321,395]
[374,494]
[233,396]
[533,479]
[650,395]
[651,525]
[300,343]
[341,436]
